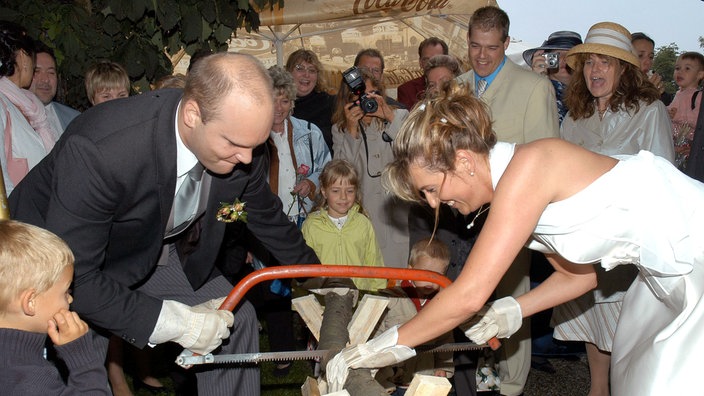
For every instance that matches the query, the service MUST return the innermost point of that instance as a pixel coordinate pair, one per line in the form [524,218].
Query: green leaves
[139,34]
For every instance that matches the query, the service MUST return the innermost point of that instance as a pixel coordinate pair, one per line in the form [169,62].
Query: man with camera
[553,53]
[522,105]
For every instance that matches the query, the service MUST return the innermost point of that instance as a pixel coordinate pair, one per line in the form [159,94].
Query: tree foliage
[140,34]
[664,64]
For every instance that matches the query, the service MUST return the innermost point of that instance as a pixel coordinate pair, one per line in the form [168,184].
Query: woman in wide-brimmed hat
[613,110]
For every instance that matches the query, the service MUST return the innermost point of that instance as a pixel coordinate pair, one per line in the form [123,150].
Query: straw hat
[562,40]
[606,38]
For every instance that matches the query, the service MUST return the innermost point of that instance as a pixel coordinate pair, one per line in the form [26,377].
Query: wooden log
[428,385]
[310,387]
[366,317]
[335,336]
[311,312]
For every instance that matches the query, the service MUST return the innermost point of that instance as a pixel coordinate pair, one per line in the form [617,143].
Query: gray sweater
[24,371]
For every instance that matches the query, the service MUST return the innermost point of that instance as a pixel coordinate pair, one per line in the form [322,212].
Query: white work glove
[379,352]
[502,319]
[200,328]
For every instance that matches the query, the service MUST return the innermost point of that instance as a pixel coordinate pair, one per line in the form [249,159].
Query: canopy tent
[337,29]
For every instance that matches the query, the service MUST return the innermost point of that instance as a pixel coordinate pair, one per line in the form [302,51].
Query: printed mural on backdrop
[337,29]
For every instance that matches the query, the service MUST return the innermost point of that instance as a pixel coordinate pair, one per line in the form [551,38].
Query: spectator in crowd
[372,61]
[537,62]
[523,109]
[106,80]
[413,90]
[364,139]
[44,85]
[613,111]
[297,150]
[27,136]
[312,102]
[439,70]
[37,272]
[171,81]
[645,49]
[339,229]
[406,299]
[684,109]
[146,222]
[555,48]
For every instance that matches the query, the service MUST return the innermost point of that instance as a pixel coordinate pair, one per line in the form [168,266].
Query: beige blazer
[522,104]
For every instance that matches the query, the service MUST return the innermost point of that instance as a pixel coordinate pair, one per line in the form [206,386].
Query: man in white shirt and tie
[44,85]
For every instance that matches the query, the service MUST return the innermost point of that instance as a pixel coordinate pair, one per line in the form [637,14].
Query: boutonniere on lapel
[231,212]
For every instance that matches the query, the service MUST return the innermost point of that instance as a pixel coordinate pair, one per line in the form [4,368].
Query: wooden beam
[311,312]
[365,318]
[428,385]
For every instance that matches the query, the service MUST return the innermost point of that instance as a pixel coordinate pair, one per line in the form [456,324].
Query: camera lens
[368,105]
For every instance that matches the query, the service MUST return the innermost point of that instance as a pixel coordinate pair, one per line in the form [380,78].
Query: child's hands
[65,327]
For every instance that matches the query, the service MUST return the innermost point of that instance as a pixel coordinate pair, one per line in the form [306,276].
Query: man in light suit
[44,84]
[108,189]
[523,109]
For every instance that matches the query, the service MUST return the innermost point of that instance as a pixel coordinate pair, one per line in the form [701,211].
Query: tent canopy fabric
[337,29]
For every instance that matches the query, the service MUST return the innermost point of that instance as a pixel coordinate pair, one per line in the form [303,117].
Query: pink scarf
[33,110]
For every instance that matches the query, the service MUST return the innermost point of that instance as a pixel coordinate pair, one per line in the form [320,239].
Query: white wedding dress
[646,213]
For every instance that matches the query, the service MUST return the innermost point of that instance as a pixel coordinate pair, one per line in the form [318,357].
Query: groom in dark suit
[110,189]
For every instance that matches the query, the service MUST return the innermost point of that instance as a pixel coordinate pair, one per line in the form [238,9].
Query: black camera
[353,79]
[553,60]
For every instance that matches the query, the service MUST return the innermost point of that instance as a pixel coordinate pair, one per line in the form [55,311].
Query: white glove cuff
[174,322]
[509,309]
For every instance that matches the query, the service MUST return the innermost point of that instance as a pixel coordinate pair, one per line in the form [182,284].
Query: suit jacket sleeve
[82,210]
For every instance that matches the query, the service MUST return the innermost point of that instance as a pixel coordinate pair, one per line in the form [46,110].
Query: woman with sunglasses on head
[312,104]
[362,135]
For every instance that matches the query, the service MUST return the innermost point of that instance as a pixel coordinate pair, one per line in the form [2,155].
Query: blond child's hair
[104,76]
[333,171]
[429,247]
[30,257]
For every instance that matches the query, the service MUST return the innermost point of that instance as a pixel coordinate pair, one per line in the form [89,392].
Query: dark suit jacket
[695,162]
[410,92]
[107,189]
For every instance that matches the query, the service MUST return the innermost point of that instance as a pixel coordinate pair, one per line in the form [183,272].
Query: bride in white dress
[577,207]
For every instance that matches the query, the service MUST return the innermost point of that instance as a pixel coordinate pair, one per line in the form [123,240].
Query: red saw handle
[334,271]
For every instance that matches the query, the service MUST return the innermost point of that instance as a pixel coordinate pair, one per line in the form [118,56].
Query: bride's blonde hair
[436,128]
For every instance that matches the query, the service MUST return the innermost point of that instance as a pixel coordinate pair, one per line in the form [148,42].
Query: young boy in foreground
[36,270]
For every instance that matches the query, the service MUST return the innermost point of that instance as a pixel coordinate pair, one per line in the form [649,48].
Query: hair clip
[421,107]
[443,120]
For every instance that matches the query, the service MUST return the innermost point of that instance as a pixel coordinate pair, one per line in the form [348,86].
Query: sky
[665,21]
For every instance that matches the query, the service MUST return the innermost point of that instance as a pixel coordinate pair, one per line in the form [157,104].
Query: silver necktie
[481,87]
[186,199]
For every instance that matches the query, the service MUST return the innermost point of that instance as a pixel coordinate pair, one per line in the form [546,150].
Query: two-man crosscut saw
[255,358]
[320,271]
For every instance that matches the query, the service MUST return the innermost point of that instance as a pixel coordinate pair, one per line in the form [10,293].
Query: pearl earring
[471,173]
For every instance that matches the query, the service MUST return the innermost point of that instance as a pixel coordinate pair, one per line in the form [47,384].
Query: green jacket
[354,244]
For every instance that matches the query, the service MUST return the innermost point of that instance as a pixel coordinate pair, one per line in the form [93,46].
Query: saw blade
[258,357]
[250,357]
